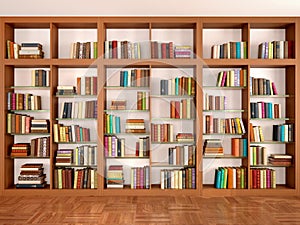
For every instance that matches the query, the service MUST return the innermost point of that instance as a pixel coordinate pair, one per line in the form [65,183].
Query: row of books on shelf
[162,50]
[85,155]
[38,147]
[215,102]
[183,109]
[31,176]
[84,50]
[262,178]
[25,124]
[232,78]
[135,78]
[140,177]
[264,110]
[87,85]
[178,86]
[72,133]
[259,156]
[230,50]
[184,178]
[115,49]
[184,155]
[276,50]
[78,110]
[230,178]
[40,78]
[115,147]
[27,50]
[71,178]
[19,101]
[224,125]
[262,86]
[142,102]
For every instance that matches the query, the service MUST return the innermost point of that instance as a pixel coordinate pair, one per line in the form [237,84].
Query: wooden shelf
[193,31]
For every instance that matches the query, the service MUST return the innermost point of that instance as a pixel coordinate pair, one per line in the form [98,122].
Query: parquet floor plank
[149,210]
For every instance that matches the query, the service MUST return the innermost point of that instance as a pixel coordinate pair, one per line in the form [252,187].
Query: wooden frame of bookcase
[8,24]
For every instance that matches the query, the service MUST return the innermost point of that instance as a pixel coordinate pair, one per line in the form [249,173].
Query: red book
[177,109]
[114,49]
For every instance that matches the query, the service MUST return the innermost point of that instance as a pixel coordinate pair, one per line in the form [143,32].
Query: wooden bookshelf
[201,33]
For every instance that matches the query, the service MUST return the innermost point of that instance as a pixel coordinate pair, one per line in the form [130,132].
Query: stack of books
[66,90]
[64,157]
[185,137]
[31,51]
[115,177]
[135,126]
[31,176]
[213,147]
[183,51]
[280,159]
[20,150]
[118,105]
[39,126]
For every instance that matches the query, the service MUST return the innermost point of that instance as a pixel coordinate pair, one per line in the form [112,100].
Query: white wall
[151,7]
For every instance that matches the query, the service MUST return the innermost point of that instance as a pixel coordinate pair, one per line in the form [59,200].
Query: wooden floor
[149,210]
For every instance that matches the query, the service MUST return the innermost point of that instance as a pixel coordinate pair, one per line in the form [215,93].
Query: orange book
[172,109]
[235,146]
[251,133]
[230,177]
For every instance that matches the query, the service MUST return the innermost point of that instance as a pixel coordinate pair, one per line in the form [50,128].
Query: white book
[82,86]
[234,178]
[162,179]
[92,178]
[171,136]
[86,155]
[180,179]
[106,47]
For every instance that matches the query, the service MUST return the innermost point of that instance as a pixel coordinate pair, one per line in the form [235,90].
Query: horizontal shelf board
[66,63]
[270,96]
[269,165]
[172,96]
[72,165]
[211,187]
[68,119]
[30,88]
[155,63]
[174,142]
[126,134]
[269,119]
[218,63]
[273,63]
[76,96]
[172,119]
[78,143]
[223,88]
[30,134]
[127,157]
[127,110]
[47,188]
[161,164]
[229,134]
[28,63]
[226,110]
[126,88]
[225,156]
[270,142]
[34,111]
[29,157]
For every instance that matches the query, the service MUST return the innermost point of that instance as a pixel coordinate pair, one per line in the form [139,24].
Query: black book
[43,185]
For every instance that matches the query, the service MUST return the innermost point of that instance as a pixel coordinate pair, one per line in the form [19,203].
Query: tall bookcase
[146,34]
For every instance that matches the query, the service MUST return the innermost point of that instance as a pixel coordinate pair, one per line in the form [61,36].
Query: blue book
[217,178]
[222,177]
[125,79]
[245,147]
[118,124]
[238,50]
[176,86]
